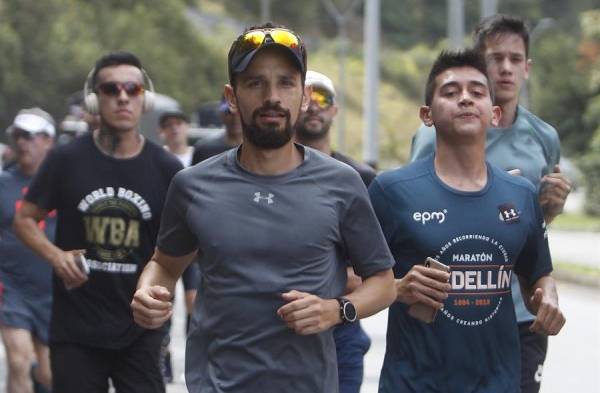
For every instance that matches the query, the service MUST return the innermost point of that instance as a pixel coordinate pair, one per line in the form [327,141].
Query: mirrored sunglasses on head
[132,89]
[254,39]
[322,98]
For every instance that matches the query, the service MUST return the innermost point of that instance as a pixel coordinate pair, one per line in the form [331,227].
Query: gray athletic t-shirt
[261,236]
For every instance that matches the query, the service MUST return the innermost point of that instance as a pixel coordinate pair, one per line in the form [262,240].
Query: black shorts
[134,369]
[533,354]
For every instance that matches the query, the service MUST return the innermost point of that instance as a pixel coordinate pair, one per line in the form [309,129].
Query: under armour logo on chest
[268,198]
[508,213]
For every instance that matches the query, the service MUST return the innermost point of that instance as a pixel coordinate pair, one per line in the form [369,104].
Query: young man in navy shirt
[521,141]
[485,224]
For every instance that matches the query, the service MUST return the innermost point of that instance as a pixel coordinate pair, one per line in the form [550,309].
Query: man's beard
[311,134]
[268,137]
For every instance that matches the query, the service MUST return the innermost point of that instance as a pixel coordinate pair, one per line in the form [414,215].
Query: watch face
[349,312]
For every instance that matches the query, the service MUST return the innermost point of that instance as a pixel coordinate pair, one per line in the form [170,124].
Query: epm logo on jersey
[508,213]
[436,217]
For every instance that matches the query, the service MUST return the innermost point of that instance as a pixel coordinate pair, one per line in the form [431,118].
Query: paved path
[582,248]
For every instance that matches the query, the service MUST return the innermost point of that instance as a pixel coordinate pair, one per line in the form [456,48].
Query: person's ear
[306,98]
[496,115]
[528,65]
[231,98]
[334,110]
[425,115]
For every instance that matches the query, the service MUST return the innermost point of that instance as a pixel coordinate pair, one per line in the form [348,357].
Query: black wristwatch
[347,311]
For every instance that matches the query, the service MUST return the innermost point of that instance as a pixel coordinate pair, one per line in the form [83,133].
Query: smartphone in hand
[82,263]
[422,311]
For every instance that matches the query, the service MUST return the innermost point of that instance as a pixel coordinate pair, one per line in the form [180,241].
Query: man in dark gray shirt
[351,342]
[275,223]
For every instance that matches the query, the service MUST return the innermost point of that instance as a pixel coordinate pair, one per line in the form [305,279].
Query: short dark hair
[114,59]
[455,59]
[267,25]
[500,24]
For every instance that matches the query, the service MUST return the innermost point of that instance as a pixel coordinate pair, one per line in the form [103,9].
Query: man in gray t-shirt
[275,223]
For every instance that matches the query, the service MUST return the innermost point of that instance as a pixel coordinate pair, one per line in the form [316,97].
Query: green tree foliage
[302,16]
[560,95]
[590,61]
[410,22]
[48,47]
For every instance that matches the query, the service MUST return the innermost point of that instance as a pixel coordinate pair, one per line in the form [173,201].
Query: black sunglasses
[132,89]
[18,134]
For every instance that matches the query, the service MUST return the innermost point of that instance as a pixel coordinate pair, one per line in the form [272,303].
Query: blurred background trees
[49,46]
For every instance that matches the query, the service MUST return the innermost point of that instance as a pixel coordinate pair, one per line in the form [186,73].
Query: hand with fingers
[152,306]
[423,285]
[549,319]
[555,187]
[306,313]
[67,268]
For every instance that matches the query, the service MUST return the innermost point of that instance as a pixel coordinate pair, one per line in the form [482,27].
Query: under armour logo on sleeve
[268,198]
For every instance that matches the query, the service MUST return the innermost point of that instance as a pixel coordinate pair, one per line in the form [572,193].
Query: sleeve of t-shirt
[367,176]
[175,237]
[382,209]
[534,260]
[196,157]
[172,165]
[423,143]
[554,151]
[365,245]
[43,190]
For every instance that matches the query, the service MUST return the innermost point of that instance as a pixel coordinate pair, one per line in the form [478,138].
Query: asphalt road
[582,248]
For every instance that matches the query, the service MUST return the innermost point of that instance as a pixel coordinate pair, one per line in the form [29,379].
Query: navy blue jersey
[485,237]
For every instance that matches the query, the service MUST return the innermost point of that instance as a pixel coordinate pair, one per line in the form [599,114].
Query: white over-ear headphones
[91,99]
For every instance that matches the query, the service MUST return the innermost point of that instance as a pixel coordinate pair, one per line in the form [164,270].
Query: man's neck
[270,162]
[322,144]
[125,144]
[28,170]
[461,165]
[233,139]
[178,148]
[509,113]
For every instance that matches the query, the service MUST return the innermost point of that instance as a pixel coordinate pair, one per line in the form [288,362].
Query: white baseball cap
[316,79]
[33,120]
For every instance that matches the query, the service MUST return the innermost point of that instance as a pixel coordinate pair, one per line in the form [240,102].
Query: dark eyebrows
[449,84]
[471,83]
[509,54]
[245,76]
[475,83]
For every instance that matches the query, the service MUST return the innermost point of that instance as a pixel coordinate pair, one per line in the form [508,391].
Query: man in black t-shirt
[108,188]
[232,137]
[312,130]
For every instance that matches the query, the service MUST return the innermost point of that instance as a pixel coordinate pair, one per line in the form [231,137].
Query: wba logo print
[258,197]
[508,213]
